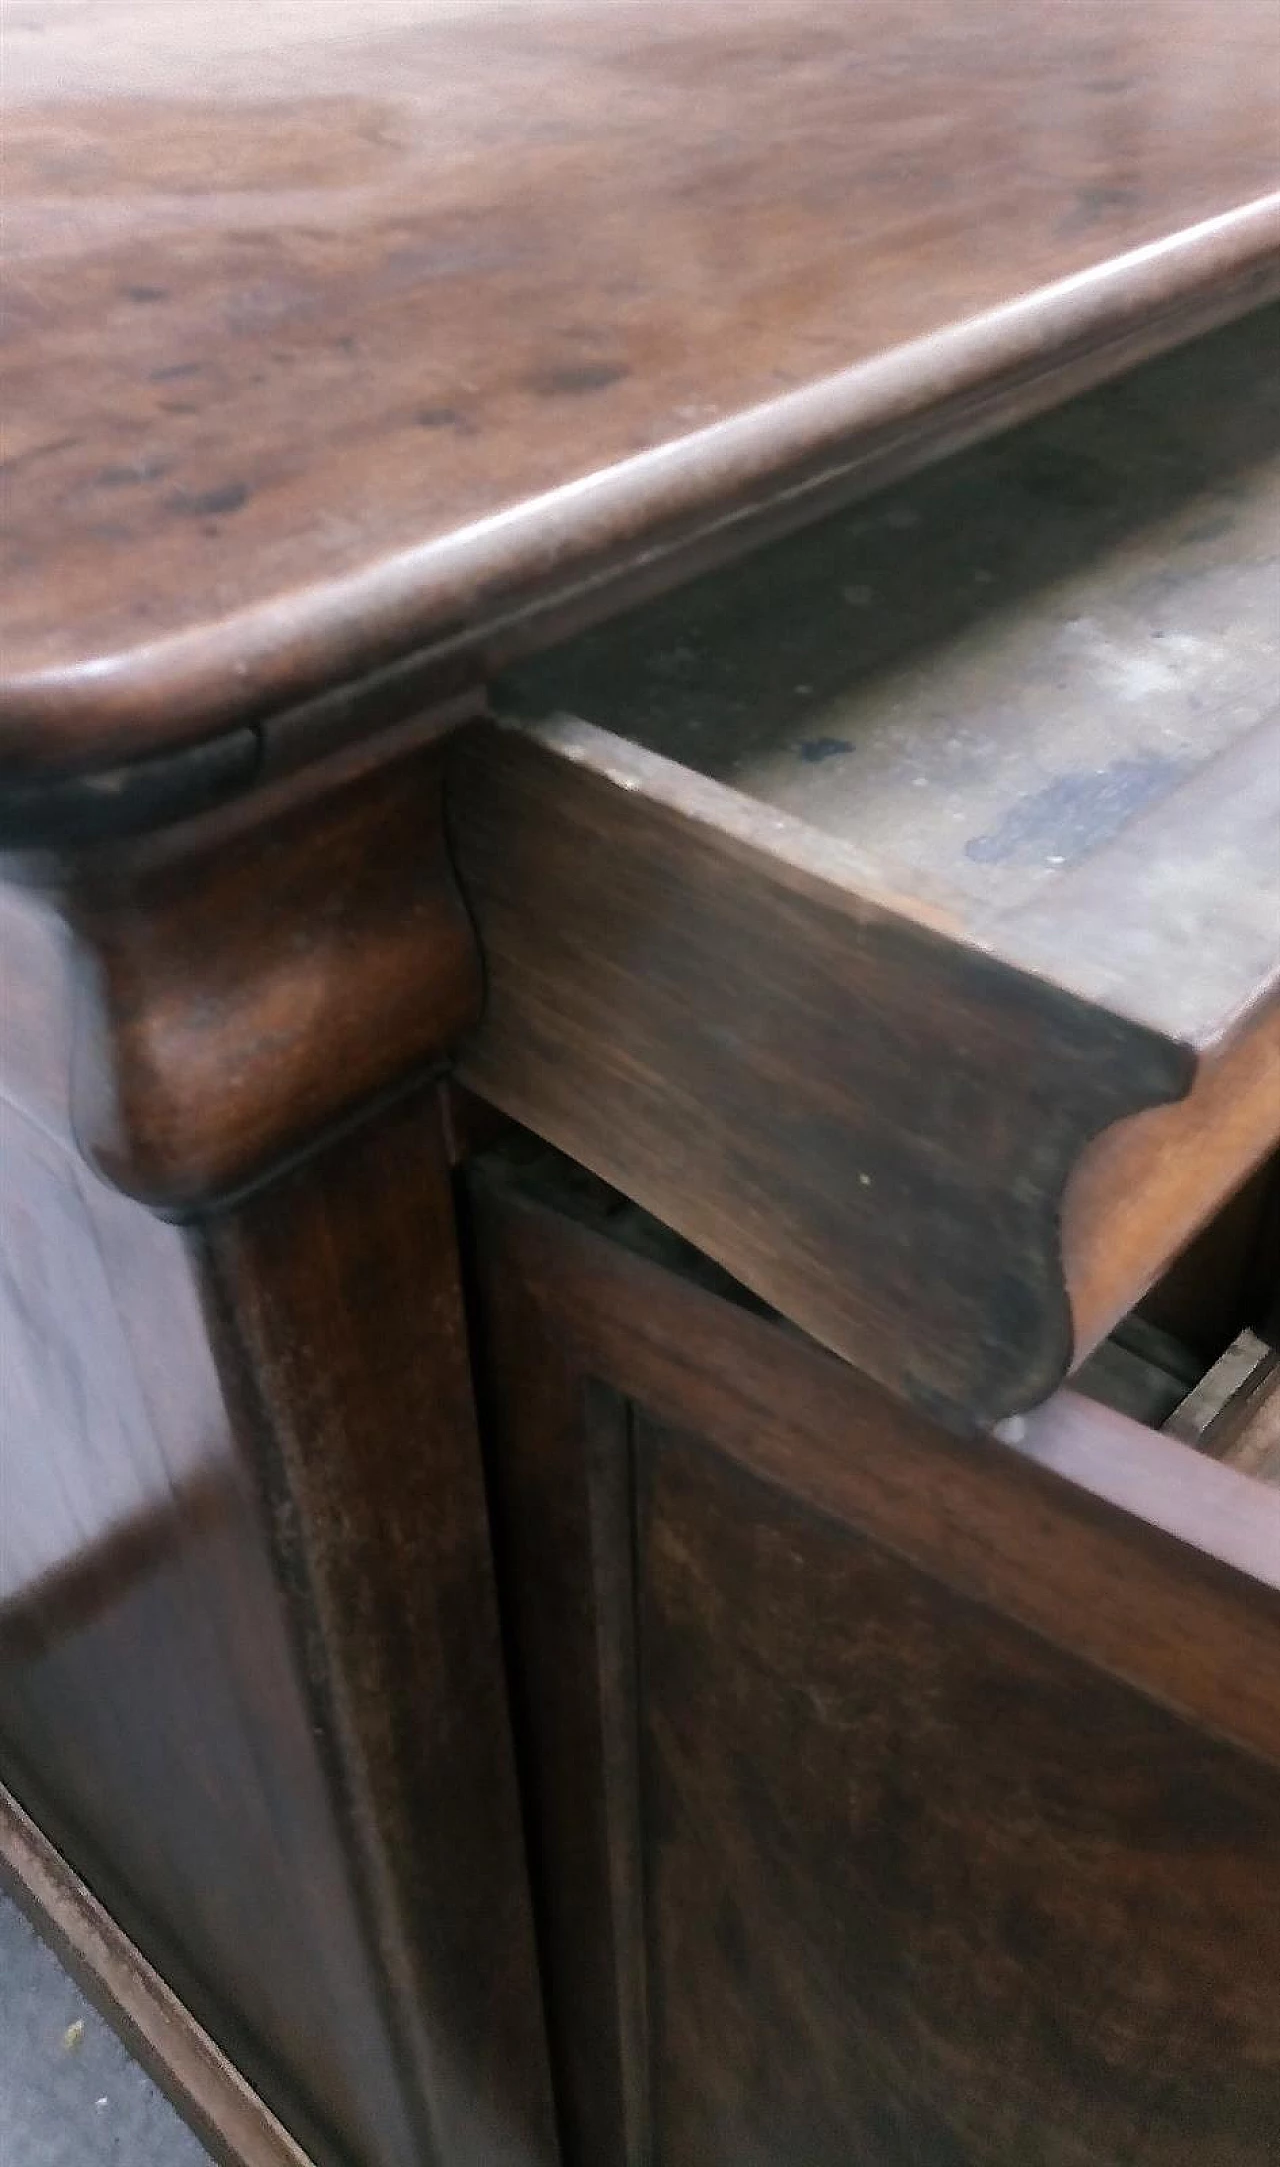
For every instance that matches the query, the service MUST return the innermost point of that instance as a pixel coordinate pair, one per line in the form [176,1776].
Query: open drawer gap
[1199,1360]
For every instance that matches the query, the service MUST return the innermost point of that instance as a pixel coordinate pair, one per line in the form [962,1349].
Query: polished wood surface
[353,330]
[893,1799]
[212,2096]
[250,1683]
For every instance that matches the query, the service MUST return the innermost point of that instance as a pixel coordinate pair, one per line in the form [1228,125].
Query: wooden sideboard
[640,1076]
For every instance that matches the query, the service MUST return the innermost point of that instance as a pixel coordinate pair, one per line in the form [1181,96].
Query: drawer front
[868,1121]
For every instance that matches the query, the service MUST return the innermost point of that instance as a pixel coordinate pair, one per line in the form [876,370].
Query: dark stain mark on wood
[1095,207]
[146,293]
[1076,813]
[132,472]
[173,370]
[445,417]
[570,378]
[816,749]
[210,503]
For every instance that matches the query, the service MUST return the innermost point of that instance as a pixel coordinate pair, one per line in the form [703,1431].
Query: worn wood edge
[1204,1503]
[1253,1446]
[176,2052]
[556,561]
[1221,1403]
[1132,1553]
[1129,1067]
[1142,1189]
[248,983]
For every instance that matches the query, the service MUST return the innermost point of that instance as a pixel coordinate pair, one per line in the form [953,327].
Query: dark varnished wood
[679,999]
[213,2098]
[340,1316]
[248,979]
[893,1799]
[571,291]
[249,1675]
[152,1717]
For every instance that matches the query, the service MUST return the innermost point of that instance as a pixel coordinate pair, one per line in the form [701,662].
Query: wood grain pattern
[249,979]
[867,1121]
[234,2126]
[250,1683]
[1091,1531]
[943,1854]
[342,1335]
[575,292]
[153,1721]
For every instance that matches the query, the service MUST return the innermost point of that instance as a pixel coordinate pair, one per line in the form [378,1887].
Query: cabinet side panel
[151,1714]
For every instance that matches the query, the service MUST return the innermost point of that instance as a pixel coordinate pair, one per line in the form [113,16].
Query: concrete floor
[69,2094]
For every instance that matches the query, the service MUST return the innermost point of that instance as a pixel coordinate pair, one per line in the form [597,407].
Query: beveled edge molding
[502,586]
[158,2030]
[248,981]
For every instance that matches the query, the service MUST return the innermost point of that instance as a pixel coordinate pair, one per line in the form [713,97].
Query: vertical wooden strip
[610,1447]
[342,1342]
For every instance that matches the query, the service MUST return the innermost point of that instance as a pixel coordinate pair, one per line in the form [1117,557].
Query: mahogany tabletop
[344,330]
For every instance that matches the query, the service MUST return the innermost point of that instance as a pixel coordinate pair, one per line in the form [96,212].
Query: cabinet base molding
[176,2052]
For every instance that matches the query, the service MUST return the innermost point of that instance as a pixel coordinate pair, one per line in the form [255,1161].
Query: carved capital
[249,980]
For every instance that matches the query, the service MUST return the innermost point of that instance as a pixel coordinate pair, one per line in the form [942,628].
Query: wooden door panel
[837,1864]
[920,1888]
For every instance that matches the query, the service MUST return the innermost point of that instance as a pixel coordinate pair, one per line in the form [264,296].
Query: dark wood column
[250,1676]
